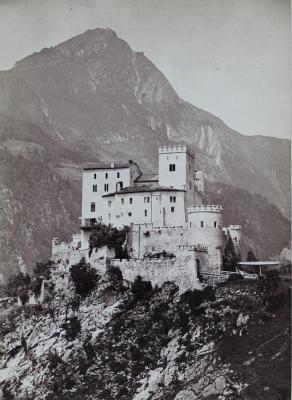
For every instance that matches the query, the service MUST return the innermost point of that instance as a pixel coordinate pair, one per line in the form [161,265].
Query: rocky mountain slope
[130,341]
[94,98]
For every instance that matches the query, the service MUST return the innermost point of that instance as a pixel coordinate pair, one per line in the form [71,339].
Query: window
[145,213]
[129,214]
[109,216]
[202,224]
[106,175]
[235,239]
[190,184]
[106,187]
[94,188]
[131,200]
[215,224]
[109,203]
[146,199]
[119,185]
[172,199]
[171,167]
[94,176]
[190,167]
[92,207]
[122,201]
[118,174]
[172,209]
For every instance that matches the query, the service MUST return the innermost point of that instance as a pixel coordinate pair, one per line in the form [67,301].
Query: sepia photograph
[145,200]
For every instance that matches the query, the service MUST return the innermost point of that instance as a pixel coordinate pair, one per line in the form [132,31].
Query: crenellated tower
[176,169]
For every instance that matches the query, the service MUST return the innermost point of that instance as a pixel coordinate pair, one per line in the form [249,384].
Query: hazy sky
[229,57]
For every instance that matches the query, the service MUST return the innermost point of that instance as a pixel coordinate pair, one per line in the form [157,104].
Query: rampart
[202,207]
[182,271]
[147,240]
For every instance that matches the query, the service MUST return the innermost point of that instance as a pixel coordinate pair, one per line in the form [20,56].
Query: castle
[166,215]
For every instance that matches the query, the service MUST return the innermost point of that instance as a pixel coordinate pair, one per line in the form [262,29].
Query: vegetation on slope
[36,205]
[265,230]
[132,341]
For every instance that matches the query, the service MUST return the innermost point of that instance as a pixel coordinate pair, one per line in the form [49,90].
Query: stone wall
[182,271]
[147,239]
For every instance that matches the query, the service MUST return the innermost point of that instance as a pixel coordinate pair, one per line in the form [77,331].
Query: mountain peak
[89,44]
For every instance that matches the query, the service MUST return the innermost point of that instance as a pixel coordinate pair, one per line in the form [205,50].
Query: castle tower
[235,234]
[205,223]
[176,169]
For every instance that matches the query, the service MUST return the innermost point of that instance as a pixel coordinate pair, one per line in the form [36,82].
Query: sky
[229,57]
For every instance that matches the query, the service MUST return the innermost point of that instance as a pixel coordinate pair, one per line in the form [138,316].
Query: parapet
[237,227]
[205,208]
[175,148]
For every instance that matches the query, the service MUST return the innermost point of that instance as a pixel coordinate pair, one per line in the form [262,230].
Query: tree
[141,289]
[85,277]
[230,258]
[250,256]
[107,235]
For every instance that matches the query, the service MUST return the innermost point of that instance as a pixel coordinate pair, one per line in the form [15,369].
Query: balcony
[89,223]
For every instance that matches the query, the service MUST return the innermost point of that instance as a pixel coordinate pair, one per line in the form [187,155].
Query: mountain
[93,98]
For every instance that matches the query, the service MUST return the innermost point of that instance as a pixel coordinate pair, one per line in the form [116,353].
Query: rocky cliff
[82,336]
[94,98]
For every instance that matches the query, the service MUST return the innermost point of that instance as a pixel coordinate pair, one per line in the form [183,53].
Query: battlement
[237,227]
[175,148]
[205,208]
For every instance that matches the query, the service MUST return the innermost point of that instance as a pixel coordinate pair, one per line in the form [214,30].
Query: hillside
[93,98]
[121,341]
[265,236]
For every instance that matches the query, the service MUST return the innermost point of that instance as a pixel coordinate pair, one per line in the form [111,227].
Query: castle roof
[147,178]
[109,165]
[144,189]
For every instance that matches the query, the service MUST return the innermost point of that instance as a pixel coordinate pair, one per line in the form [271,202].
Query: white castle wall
[100,177]
[126,208]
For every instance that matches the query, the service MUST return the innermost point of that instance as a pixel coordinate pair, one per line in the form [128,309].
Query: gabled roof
[148,178]
[109,165]
[144,189]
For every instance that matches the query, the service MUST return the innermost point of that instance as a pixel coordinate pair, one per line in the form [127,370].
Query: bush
[142,290]
[85,278]
[114,275]
[275,302]
[194,298]
[235,278]
[18,283]
[106,235]
[43,269]
[72,328]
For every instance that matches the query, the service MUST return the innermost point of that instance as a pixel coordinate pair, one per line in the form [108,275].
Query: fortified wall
[203,233]
[181,269]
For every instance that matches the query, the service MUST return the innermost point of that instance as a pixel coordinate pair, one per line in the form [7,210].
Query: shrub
[43,269]
[235,278]
[18,283]
[85,278]
[276,301]
[106,235]
[141,289]
[72,327]
[54,359]
[194,298]
[36,285]
[115,276]
[269,282]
